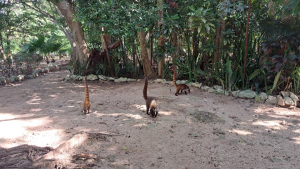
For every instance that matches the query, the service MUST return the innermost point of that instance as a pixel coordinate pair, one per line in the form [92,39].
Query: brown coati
[87,103]
[150,102]
[180,87]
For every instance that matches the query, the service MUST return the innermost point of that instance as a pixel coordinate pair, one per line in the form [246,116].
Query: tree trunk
[106,41]
[246,43]
[195,44]
[148,71]
[174,45]
[8,30]
[160,4]
[66,9]
[1,47]
[134,57]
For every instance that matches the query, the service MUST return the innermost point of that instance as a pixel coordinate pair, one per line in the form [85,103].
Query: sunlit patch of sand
[241,132]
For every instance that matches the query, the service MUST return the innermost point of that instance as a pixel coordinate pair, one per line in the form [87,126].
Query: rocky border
[50,67]
[285,99]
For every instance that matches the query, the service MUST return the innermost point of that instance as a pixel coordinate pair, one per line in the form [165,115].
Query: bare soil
[198,130]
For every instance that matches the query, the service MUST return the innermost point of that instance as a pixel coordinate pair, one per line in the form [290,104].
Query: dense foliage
[205,39]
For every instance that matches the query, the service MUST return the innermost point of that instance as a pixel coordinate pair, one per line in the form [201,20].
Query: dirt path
[198,130]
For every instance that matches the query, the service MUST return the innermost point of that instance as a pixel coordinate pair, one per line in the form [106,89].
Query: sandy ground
[196,131]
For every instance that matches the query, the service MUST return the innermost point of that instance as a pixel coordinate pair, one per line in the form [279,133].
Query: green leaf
[255,73]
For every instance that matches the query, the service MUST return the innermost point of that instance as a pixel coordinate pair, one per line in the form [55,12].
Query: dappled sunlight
[27,131]
[35,110]
[134,116]
[140,107]
[17,128]
[296,140]
[274,124]
[58,111]
[44,138]
[240,132]
[166,113]
[140,125]
[35,99]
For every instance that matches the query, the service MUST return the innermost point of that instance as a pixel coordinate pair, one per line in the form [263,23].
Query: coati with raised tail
[150,102]
[87,103]
[179,87]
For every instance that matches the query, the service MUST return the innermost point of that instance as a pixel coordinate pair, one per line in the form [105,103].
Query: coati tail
[145,88]
[87,103]
[86,90]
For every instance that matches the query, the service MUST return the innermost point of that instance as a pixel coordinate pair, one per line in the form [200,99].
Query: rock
[181,81]
[285,94]
[111,79]
[38,71]
[280,101]
[247,94]
[271,100]
[46,70]
[224,92]
[294,97]
[2,80]
[261,97]
[197,85]
[217,87]
[35,73]
[205,88]
[211,90]
[160,80]
[165,82]
[53,66]
[121,79]
[20,77]
[102,77]
[92,77]
[130,80]
[29,76]
[68,77]
[79,78]
[235,93]
[12,79]
[289,101]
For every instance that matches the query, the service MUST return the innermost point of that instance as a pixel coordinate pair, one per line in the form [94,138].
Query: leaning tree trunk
[148,71]
[106,41]
[66,9]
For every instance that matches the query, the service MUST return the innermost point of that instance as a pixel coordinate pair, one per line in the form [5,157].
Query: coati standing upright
[150,102]
[87,103]
[179,87]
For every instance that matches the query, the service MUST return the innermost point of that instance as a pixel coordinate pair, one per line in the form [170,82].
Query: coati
[180,87]
[150,102]
[87,103]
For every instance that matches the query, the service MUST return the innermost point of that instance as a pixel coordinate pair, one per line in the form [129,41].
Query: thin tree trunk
[160,4]
[195,44]
[151,48]
[8,30]
[134,57]
[147,68]
[174,45]
[1,47]
[246,43]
